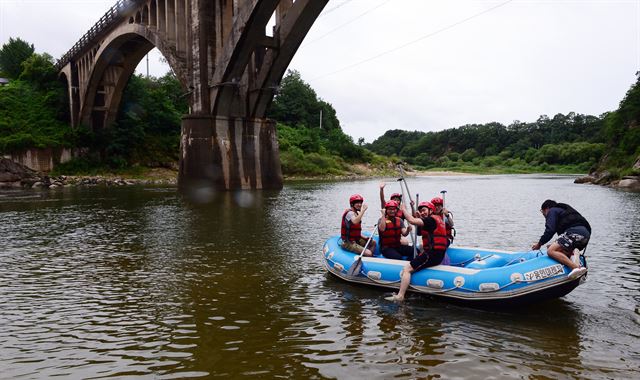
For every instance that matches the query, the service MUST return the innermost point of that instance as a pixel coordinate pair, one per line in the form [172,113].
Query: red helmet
[429,205]
[396,195]
[355,198]
[391,204]
[437,201]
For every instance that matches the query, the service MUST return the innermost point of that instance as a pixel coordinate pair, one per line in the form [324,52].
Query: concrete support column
[222,153]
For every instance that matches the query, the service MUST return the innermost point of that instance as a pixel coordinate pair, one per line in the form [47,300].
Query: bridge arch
[113,63]
[220,53]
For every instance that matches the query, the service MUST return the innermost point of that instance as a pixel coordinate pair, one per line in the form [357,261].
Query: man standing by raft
[573,232]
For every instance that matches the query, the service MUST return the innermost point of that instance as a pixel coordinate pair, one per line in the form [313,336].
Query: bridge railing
[112,16]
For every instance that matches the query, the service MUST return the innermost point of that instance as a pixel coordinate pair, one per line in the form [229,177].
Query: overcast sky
[425,64]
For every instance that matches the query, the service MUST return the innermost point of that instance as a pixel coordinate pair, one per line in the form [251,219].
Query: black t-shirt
[429,224]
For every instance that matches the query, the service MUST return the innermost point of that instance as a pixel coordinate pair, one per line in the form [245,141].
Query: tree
[39,70]
[296,103]
[12,55]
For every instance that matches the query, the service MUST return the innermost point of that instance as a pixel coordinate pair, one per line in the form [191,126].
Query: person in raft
[438,203]
[351,229]
[394,197]
[573,233]
[390,230]
[434,244]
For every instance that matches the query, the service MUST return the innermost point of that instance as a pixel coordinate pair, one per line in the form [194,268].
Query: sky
[424,65]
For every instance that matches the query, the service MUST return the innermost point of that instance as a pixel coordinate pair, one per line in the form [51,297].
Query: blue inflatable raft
[481,277]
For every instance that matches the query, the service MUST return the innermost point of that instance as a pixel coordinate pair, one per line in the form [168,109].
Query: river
[137,282]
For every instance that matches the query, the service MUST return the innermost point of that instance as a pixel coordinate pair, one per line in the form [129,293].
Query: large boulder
[585,179]
[13,174]
[629,182]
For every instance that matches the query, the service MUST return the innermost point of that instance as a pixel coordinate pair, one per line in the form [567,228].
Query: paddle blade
[355,268]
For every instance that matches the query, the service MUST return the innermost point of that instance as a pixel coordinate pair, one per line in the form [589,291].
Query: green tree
[297,110]
[12,55]
[147,128]
[28,120]
[39,70]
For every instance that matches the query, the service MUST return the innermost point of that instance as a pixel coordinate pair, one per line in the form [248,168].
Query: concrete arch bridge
[229,66]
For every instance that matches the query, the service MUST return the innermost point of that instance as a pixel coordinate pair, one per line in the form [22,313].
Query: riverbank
[13,175]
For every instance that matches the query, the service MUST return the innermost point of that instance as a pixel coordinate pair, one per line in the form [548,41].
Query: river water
[137,282]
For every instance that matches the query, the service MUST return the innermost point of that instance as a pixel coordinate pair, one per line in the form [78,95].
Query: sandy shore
[428,173]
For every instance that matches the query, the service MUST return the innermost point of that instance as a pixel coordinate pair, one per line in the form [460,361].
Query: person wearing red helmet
[446,215]
[351,229]
[390,230]
[434,244]
[394,197]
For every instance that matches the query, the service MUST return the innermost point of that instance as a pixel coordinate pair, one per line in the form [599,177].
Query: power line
[345,24]
[413,41]
[334,8]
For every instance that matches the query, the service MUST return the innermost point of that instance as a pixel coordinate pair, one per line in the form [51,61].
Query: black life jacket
[569,218]
[390,237]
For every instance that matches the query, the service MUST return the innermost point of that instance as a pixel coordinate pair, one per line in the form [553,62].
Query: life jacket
[390,237]
[400,214]
[350,231]
[437,240]
[569,218]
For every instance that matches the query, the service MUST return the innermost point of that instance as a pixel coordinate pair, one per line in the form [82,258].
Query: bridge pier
[226,153]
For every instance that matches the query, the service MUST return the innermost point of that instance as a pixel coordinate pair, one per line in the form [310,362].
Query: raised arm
[358,218]
[382,201]
[410,218]
[382,222]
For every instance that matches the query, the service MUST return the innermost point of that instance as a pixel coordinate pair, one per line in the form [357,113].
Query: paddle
[415,248]
[413,210]
[357,264]
[443,192]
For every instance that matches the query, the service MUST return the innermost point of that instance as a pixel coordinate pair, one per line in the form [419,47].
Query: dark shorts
[398,253]
[428,259]
[570,241]
[574,237]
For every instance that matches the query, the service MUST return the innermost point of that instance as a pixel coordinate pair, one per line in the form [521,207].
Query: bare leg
[405,279]
[556,252]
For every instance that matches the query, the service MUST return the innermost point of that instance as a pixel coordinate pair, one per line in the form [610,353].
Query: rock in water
[13,174]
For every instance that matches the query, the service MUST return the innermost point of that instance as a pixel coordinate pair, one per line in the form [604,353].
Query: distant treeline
[563,139]
[582,142]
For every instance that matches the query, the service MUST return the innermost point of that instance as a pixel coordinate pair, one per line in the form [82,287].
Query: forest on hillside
[572,142]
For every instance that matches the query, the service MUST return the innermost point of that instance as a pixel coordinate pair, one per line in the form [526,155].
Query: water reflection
[137,281]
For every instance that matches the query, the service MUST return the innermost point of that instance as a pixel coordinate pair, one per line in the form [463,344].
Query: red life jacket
[351,232]
[400,214]
[448,228]
[437,240]
[390,237]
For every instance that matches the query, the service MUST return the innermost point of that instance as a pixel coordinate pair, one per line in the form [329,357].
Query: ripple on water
[136,283]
